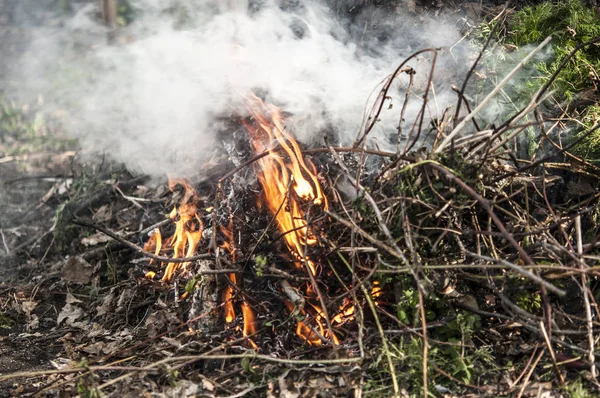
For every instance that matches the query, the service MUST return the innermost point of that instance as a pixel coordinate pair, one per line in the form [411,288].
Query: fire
[188,230]
[291,188]
[249,321]
[228,299]
[314,335]
[346,313]
[287,182]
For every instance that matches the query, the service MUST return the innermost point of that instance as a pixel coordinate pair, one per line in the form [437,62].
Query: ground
[470,272]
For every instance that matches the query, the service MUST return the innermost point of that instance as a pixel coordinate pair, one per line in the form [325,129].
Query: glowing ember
[376,291]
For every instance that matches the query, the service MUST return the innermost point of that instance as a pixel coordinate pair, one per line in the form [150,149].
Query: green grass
[28,132]
[570,23]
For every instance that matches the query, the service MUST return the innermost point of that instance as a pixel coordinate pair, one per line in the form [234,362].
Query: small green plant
[173,376]
[260,264]
[5,322]
[530,302]
[576,389]
[570,23]
[87,392]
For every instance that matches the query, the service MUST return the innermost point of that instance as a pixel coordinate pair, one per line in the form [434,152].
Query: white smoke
[153,96]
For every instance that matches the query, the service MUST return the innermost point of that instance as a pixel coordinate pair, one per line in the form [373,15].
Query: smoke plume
[153,93]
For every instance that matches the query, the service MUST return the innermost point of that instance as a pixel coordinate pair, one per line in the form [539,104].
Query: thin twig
[520,270]
[561,379]
[425,343]
[4,242]
[533,366]
[586,299]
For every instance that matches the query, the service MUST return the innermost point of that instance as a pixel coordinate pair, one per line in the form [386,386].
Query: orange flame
[188,231]
[228,300]
[346,313]
[247,313]
[288,181]
[188,227]
[249,323]
[312,330]
[277,176]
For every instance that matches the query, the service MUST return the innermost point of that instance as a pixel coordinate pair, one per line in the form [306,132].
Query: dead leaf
[95,239]
[184,388]
[77,270]
[160,321]
[34,322]
[111,348]
[60,363]
[284,391]
[208,385]
[104,213]
[542,390]
[173,342]
[69,313]
[28,307]
[125,299]
[71,299]
[108,303]
[94,349]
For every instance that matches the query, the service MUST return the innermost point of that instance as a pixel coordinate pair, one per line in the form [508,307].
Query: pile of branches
[512,240]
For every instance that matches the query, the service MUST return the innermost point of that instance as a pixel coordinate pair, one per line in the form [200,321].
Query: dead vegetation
[470,270]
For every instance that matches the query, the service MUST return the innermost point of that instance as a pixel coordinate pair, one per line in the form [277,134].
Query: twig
[292,294]
[424,106]
[411,75]
[586,299]
[425,342]
[461,92]
[4,242]
[533,366]
[159,224]
[74,370]
[520,270]
[384,341]
[561,379]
